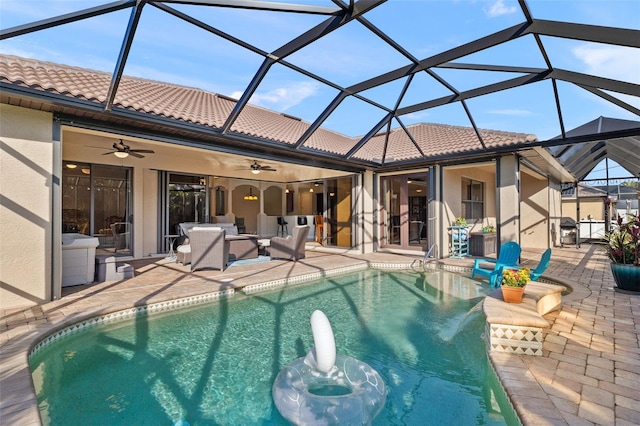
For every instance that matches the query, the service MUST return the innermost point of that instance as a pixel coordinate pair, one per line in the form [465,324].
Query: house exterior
[64,150]
[591,206]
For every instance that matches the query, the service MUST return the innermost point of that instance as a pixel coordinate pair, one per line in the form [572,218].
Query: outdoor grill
[568,232]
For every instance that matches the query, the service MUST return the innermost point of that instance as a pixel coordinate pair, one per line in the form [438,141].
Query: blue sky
[168,49]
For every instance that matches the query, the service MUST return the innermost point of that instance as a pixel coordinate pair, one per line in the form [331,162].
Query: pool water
[216,363]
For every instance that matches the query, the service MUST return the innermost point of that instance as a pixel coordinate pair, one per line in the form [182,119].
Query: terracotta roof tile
[200,107]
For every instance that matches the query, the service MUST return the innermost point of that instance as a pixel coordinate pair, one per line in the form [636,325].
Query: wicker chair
[292,247]
[209,248]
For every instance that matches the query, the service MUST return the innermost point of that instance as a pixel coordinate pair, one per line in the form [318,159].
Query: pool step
[109,269]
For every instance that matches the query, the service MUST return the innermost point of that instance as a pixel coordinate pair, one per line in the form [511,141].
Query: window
[472,199]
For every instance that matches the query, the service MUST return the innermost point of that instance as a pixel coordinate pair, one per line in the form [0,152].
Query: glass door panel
[187,200]
[97,201]
[112,208]
[404,211]
[417,191]
[339,224]
[391,210]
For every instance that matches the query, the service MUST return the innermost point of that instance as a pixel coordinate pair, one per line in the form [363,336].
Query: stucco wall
[588,206]
[147,197]
[509,199]
[555,212]
[452,197]
[452,193]
[534,206]
[26,164]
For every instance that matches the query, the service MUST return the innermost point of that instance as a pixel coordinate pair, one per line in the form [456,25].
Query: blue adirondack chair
[508,258]
[542,265]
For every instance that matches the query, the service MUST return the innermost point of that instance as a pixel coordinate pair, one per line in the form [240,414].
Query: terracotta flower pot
[512,294]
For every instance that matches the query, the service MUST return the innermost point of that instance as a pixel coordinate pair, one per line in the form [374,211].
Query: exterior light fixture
[286,190]
[86,171]
[250,196]
[121,154]
[310,189]
[71,165]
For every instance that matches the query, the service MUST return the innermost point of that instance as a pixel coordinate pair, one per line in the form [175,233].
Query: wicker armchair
[209,248]
[290,248]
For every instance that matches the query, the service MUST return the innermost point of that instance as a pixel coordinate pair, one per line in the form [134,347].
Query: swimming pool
[216,363]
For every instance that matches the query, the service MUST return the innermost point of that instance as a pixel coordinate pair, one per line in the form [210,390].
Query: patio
[587,375]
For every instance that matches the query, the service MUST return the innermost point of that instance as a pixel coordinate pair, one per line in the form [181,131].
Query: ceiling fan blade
[146,151]
[135,154]
[268,169]
[109,153]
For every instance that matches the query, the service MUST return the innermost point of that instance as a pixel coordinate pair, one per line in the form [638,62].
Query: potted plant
[489,228]
[623,248]
[460,221]
[513,283]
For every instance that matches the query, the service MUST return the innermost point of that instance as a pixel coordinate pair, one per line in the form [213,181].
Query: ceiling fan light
[255,171]
[71,165]
[121,154]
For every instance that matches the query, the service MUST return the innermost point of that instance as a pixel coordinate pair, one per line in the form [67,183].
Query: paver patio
[588,374]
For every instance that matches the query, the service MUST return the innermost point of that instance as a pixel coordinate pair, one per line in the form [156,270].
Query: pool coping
[529,384]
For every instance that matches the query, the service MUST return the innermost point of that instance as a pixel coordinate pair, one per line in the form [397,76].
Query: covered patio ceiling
[372,67]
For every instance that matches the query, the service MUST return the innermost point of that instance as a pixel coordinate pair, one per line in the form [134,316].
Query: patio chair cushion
[209,248]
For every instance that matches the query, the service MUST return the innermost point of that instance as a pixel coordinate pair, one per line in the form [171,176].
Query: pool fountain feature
[324,388]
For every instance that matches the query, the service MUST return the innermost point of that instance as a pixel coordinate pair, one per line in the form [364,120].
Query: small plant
[489,228]
[624,242]
[515,278]
[461,221]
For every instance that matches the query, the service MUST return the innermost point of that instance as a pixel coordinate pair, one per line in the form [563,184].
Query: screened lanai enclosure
[367,70]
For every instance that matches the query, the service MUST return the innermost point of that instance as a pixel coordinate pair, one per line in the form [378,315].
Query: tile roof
[192,105]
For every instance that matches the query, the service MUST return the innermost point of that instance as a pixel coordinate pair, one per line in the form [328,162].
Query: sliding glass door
[97,201]
[404,213]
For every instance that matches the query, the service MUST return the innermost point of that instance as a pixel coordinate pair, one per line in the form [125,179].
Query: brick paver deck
[589,372]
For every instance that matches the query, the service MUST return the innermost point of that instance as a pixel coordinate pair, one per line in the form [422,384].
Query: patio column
[366,186]
[508,199]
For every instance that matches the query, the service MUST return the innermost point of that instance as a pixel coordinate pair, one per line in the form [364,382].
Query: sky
[171,50]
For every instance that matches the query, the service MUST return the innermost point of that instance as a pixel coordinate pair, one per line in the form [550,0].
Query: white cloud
[513,112]
[416,116]
[499,8]
[283,98]
[617,62]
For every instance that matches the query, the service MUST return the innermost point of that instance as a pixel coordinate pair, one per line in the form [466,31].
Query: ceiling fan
[257,168]
[122,150]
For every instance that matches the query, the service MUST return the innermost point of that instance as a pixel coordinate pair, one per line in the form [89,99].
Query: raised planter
[482,243]
[627,277]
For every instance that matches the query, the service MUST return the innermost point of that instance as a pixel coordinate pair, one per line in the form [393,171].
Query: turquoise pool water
[216,363]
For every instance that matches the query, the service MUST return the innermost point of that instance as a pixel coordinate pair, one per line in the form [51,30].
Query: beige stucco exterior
[26,179]
[555,212]
[589,208]
[534,210]
[30,244]
[452,197]
[508,184]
